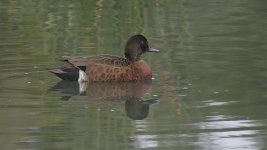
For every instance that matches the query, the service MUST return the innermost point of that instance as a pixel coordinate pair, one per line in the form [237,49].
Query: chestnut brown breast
[137,71]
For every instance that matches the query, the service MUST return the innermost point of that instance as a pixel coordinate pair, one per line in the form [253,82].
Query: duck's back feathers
[110,60]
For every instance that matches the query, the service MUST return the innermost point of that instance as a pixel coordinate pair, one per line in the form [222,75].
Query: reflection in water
[144,141]
[136,107]
[211,76]
[229,134]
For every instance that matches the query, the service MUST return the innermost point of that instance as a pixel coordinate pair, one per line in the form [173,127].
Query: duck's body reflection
[133,94]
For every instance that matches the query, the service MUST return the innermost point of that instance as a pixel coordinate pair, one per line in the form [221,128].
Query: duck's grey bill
[153,50]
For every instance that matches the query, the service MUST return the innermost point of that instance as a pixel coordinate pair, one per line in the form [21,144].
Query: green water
[209,87]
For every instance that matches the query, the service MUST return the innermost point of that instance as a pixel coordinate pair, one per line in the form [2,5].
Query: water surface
[208,89]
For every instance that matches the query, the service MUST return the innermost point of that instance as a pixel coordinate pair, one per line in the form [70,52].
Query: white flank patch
[82,87]
[82,76]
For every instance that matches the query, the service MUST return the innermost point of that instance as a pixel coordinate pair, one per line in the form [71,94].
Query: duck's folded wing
[76,60]
[83,61]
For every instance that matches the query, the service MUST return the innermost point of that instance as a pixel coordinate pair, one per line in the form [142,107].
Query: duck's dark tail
[68,73]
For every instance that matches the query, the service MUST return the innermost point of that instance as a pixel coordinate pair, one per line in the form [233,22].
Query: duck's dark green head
[136,46]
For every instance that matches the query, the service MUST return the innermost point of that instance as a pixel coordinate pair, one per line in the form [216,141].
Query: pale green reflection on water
[209,86]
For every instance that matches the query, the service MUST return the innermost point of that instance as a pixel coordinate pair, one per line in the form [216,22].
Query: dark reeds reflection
[136,106]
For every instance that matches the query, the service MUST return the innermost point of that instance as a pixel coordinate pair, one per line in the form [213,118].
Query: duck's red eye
[143,46]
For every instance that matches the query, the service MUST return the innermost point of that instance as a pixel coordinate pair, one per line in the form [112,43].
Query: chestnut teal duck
[109,68]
